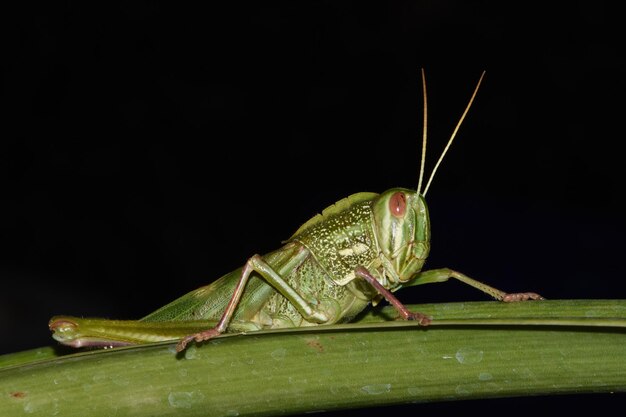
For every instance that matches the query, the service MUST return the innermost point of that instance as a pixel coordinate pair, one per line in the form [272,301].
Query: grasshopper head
[401,215]
[403,230]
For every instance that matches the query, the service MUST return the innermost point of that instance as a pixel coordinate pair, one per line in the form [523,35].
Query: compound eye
[397,204]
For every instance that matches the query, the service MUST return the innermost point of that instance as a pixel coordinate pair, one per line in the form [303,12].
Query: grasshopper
[356,252]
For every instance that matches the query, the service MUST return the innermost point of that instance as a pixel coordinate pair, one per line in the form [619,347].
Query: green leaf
[472,350]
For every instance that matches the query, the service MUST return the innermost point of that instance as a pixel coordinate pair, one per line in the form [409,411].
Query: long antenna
[456,129]
[425,113]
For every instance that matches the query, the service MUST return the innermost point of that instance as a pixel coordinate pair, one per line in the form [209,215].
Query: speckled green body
[318,263]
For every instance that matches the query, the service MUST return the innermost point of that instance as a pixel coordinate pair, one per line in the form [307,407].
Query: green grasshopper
[356,252]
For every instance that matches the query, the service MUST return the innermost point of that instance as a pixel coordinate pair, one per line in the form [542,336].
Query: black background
[149,148]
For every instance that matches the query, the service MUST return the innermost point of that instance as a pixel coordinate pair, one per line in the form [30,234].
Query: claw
[182,344]
[198,337]
[422,319]
[521,296]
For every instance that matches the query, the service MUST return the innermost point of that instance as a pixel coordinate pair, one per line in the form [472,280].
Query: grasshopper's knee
[318,317]
[322,312]
[255,260]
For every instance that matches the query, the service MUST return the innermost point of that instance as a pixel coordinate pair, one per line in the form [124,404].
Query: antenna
[425,114]
[456,129]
